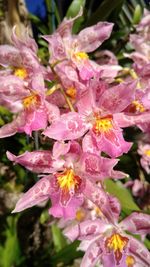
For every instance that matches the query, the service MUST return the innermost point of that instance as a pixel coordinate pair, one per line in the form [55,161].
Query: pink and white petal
[107,170]
[112,143]
[139,58]
[92,37]
[88,145]
[37,80]
[56,99]
[100,198]
[139,251]
[9,55]
[11,128]
[13,87]
[115,207]
[70,126]
[86,103]
[36,161]
[34,120]
[60,148]
[67,212]
[35,195]
[29,59]
[86,230]
[93,254]
[91,164]
[109,72]
[137,223]
[121,96]
[53,111]
[124,120]
[56,47]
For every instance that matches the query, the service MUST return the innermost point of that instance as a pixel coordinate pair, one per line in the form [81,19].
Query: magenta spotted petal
[137,223]
[36,161]
[70,126]
[35,195]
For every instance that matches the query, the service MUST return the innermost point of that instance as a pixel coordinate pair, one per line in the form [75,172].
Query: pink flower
[70,177]
[65,46]
[144,151]
[110,244]
[100,117]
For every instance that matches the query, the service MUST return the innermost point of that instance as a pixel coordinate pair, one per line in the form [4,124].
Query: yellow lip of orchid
[130,261]
[138,106]
[31,100]
[68,183]
[102,125]
[72,92]
[117,244]
[68,180]
[21,73]
[80,56]
[147,152]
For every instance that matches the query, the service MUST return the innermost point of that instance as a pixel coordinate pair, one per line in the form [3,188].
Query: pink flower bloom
[35,113]
[110,244]
[71,177]
[100,117]
[21,70]
[144,151]
[63,45]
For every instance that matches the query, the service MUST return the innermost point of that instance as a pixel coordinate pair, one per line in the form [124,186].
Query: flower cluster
[79,105]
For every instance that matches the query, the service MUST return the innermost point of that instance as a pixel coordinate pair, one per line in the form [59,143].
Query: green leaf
[137,14]
[58,238]
[10,251]
[66,255]
[34,19]
[74,8]
[118,190]
[104,10]
[147,243]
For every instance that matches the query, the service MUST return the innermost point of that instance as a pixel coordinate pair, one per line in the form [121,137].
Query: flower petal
[137,223]
[93,253]
[92,37]
[36,161]
[86,230]
[70,126]
[36,194]
[140,251]
[100,198]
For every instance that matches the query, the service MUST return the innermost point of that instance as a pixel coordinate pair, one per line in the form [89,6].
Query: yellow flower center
[117,243]
[130,261]
[69,183]
[21,73]
[98,211]
[102,125]
[81,56]
[80,215]
[30,101]
[137,106]
[68,180]
[72,92]
[147,152]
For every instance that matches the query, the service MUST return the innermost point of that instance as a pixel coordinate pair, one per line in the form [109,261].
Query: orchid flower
[68,176]
[101,119]
[110,244]
[65,46]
